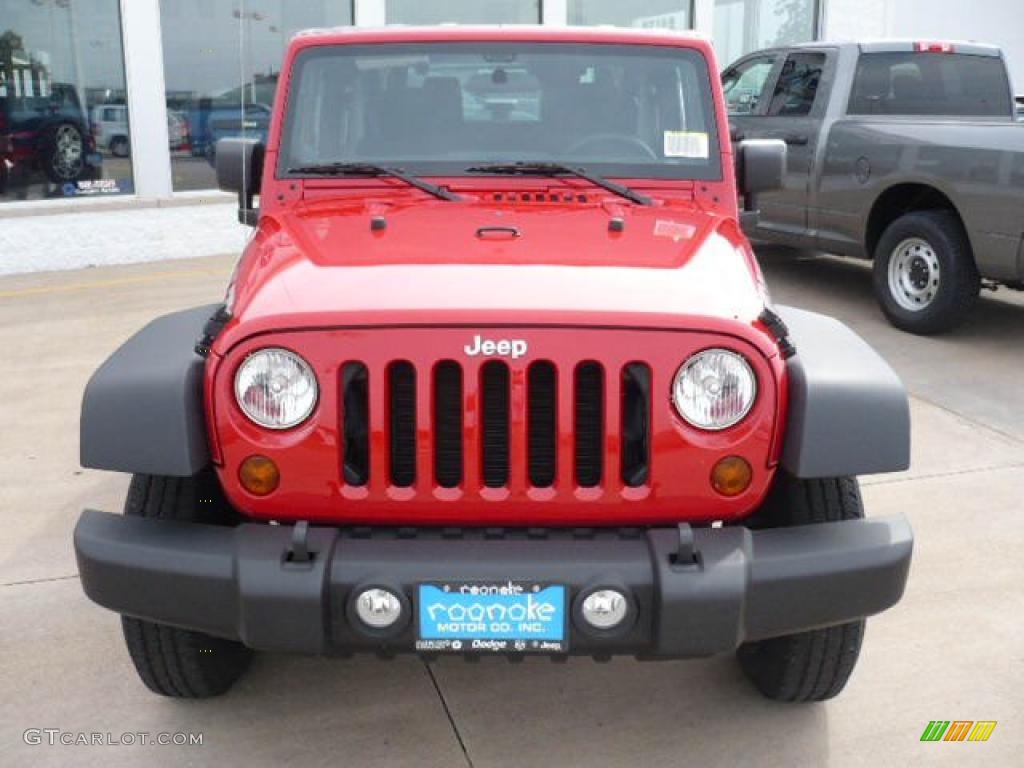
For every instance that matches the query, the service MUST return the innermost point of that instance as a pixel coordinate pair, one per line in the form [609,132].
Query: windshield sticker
[689,144]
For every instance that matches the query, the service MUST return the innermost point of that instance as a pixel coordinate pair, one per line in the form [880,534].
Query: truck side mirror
[760,167]
[240,170]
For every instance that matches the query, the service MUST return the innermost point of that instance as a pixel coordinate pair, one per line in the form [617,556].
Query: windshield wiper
[561,169]
[370,169]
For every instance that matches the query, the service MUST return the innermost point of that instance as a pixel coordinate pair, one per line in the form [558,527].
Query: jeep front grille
[542,424]
[448,433]
[356,436]
[494,423]
[588,426]
[402,427]
[479,429]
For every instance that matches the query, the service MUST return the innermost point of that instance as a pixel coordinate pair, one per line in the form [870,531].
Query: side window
[745,83]
[798,85]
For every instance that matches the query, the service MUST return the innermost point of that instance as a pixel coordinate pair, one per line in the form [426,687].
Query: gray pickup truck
[905,153]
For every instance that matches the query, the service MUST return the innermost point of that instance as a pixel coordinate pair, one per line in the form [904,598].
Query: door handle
[795,140]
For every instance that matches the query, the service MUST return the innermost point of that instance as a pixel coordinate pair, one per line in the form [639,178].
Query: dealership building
[145,88]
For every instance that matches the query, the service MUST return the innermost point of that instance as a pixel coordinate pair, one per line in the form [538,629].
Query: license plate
[497,617]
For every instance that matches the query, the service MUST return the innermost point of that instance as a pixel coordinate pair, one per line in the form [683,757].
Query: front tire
[925,277]
[176,662]
[814,665]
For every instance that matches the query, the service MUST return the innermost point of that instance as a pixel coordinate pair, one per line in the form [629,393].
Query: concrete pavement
[953,649]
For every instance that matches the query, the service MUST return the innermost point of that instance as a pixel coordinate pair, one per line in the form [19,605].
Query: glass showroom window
[222,59]
[462,11]
[742,26]
[650,14]
[61,71]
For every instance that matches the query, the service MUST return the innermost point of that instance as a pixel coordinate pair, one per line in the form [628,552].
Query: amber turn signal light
[259,475]
[731,476]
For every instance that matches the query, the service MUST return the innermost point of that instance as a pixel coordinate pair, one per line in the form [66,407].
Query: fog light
[259,475]
[605,608]
[731,476]
[378,608]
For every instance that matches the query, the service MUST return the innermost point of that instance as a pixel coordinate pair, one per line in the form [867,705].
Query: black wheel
[63,153]
[171,661]
[119,146]
[815,665]
[924,274]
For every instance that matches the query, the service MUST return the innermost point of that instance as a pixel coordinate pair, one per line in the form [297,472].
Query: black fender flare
[848,410]
[142,411]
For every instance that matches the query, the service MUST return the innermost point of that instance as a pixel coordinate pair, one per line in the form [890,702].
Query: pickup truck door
[794,114]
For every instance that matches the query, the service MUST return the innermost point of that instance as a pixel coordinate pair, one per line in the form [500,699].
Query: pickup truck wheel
[924,274]
[178,662]
[815,665]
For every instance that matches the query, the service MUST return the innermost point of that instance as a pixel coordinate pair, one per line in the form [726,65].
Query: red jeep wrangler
[497,373]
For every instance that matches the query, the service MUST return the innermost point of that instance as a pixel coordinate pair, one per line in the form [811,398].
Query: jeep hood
[454,263]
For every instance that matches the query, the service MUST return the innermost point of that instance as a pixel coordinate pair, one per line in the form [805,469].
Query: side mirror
[240,169]
[760,167]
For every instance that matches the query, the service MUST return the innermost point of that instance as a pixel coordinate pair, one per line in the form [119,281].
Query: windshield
[439,108]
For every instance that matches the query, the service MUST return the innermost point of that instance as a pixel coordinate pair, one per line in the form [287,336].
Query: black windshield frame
[704,170]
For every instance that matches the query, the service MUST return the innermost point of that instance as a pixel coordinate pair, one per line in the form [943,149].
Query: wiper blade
[561,169]
[371,169]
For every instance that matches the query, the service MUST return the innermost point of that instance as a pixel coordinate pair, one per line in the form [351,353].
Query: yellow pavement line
[75,287]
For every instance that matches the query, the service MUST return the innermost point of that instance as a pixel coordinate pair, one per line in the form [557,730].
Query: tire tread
[814,665]
[170,661]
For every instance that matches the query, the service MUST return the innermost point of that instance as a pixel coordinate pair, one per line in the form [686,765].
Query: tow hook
[298,551]
[686,551]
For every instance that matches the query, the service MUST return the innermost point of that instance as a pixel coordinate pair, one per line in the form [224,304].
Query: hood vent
[560,198]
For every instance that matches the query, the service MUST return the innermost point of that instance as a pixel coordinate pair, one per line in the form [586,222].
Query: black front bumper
[695,592]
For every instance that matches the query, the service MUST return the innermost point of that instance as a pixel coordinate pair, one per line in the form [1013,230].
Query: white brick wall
[98,238]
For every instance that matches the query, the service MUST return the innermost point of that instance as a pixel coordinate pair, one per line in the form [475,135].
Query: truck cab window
[744,84]
[936,84]
[798,85]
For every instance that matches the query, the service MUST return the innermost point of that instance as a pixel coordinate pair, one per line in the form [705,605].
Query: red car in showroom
[497,373]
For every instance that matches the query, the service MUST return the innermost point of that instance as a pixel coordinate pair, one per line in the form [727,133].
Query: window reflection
[462,11]
[648,14]
[222,59]
[61,65]
[742,26]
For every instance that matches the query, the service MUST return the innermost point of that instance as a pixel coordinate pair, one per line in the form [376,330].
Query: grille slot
[448,420]
[355,388]
[589,424]
[542,424]
[402,427]
[636,424]
[494,414]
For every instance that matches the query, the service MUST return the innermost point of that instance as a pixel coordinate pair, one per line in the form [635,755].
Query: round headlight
[276,388]
[714,389]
